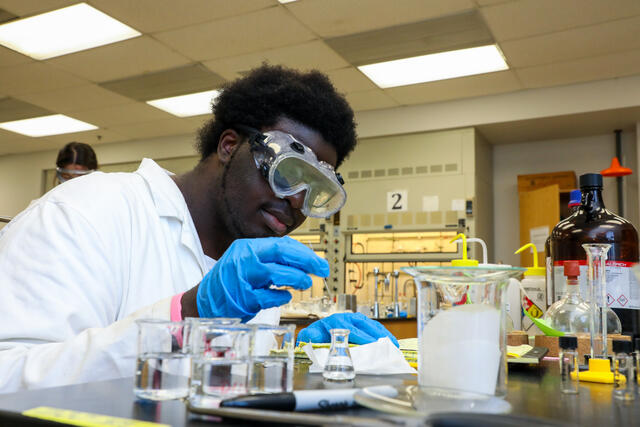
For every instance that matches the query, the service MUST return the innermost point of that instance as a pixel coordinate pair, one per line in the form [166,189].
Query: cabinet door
[539,211]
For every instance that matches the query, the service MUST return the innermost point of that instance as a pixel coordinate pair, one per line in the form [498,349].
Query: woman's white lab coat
[79,265]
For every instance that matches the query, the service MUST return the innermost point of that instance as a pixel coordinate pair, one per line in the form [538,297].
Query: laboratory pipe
[376,305]
[623,373]
[596,258]
[396,305]
[569,364]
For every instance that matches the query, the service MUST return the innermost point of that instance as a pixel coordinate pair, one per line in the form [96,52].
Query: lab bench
[402,327]
[532,391]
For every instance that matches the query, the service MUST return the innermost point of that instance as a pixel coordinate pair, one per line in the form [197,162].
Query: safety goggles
[64,175]
[291,167]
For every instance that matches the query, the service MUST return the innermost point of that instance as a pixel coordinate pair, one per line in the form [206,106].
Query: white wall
[582,155]
[21,174]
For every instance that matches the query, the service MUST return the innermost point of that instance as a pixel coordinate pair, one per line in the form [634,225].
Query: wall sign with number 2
[397,201]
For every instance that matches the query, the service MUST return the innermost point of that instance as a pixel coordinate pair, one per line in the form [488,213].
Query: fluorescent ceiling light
[63,31]
[47,125]
[286,1]
[187,105]
[436,66]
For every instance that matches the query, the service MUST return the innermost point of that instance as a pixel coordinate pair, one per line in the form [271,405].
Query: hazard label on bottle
[623,290]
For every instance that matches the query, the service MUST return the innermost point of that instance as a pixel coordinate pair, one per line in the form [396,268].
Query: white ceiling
[546,43]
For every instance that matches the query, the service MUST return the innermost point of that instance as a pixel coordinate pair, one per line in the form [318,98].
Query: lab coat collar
[170,202]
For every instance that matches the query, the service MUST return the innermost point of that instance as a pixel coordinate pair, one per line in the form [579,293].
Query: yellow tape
[85,419]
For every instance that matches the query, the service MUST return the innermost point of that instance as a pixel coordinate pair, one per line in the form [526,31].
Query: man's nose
[297,200]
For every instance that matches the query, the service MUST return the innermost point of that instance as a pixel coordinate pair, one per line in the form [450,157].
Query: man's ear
[229,142]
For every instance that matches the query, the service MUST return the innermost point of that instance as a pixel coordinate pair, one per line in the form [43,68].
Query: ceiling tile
[171,126]
[33,7]
[19,144]
[35,77]
[490,2]
[163,84]
[74,98]
[305,56]
[265,29]
[196,122]
[150,16]
[9,58]
[121,114]
[118,60]
[532,17]
[581,70]
[331,18]
[13,109]
[459,31]
[93,137]
[463,87]
[370,100]
[350,80]
[576,43]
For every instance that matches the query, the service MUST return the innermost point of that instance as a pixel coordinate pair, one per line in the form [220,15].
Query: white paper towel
[460,349]
[377,358]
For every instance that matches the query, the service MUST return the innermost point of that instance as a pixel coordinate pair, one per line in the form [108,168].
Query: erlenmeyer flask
[601,315]
[339,366]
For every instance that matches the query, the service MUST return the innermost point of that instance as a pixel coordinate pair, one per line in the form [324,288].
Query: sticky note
[85,419]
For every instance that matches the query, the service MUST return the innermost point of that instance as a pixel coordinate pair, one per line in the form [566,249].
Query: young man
[81,264]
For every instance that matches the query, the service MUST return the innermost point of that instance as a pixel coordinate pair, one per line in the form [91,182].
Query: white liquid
[460,349]
[162,376]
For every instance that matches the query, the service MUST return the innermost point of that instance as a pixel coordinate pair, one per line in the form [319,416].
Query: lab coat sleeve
[95,354]
[63,275]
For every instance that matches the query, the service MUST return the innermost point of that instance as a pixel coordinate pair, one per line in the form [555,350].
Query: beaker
[597,282]
[462,329]
[339,366]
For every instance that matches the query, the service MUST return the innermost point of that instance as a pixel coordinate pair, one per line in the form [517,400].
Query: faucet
[404,287]
[376,305]
[396,306]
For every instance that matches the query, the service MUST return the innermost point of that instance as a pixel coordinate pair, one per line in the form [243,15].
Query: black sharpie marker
[304,400]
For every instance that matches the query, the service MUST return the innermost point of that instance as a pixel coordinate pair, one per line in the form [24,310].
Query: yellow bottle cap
[535,270]
[464,262]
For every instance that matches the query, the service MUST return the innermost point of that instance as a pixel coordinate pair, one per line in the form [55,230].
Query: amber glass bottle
[593,223]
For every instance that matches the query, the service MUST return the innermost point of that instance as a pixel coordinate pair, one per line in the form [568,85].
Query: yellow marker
[464,262]
[85,419]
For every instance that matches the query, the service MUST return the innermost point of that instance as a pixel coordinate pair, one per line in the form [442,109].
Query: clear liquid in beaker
[339,366]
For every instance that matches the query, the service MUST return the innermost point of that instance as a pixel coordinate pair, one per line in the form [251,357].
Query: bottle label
[535,302]
[623,290]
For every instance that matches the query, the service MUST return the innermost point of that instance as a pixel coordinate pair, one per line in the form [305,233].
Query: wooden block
[517,338]
[565,180]
[584,344]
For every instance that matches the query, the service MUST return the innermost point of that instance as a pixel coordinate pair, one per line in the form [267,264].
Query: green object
[544,326]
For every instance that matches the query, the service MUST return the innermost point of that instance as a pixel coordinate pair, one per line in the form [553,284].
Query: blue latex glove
[363,330]
[239,283]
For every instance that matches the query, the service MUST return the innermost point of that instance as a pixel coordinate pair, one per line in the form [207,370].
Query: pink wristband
[176,308]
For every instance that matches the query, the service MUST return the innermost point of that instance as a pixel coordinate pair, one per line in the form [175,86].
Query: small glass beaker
[220,362]
[272,359]
[163,360]
[462,328]
[339,366]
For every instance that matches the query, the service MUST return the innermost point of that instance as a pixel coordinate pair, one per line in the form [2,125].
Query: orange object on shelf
[615,169]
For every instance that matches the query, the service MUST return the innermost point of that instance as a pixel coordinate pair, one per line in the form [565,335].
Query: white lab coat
[81,264]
